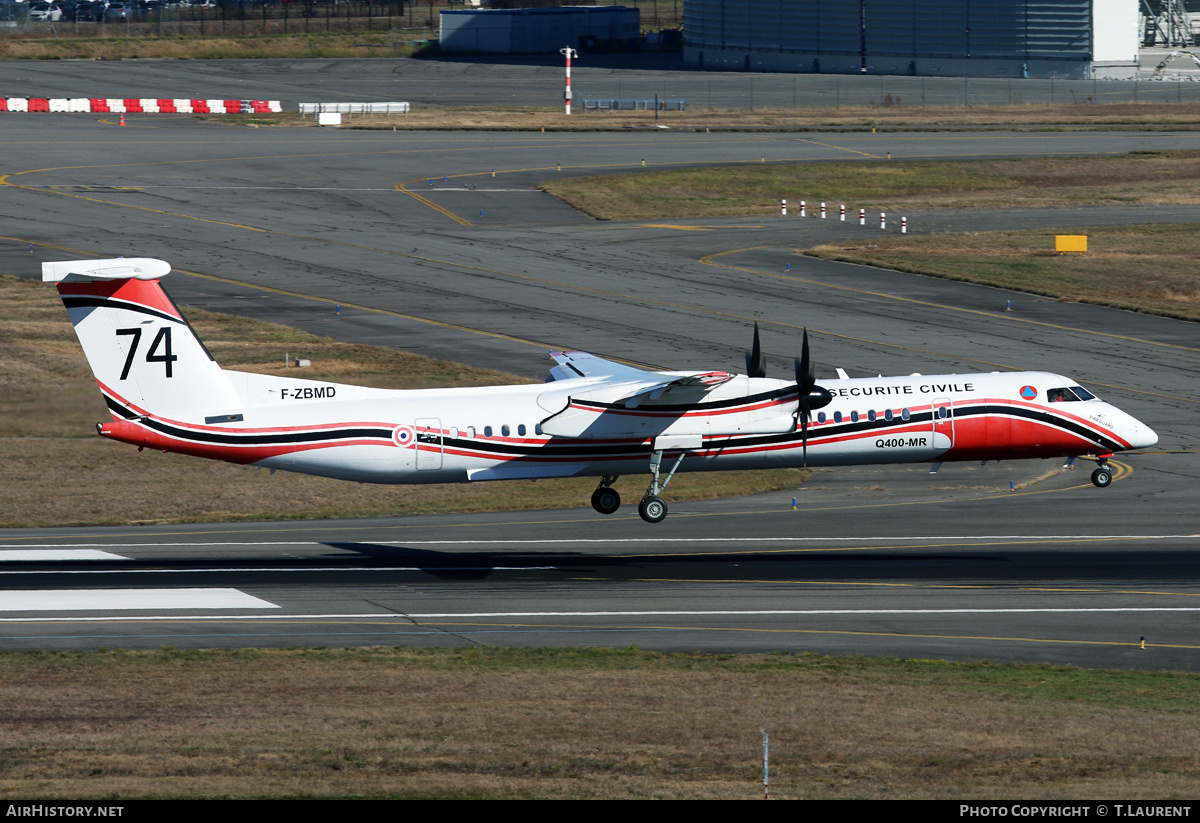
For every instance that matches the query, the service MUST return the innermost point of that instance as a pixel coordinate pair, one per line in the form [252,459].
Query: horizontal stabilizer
[115,268]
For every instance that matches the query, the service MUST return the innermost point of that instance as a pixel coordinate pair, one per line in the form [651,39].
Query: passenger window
[853,417]
[887,415]
[905,414]
[837,417]
[871,415]
[820,417]
[504,430]
[521,430]
[487,431]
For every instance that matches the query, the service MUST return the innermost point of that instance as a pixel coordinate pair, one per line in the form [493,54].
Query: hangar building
[975,38]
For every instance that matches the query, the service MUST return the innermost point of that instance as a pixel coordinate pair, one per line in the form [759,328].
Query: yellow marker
[1070,243]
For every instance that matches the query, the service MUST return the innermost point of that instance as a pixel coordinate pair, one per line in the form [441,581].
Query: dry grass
[275,44]
[1171,177]
[563,723]
[53,462]
[1148,268]
[698,118]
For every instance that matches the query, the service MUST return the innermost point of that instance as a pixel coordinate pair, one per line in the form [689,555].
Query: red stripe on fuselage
[142,292]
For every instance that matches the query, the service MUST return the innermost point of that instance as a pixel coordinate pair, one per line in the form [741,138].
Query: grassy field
[53,460]
[1147,268]
[1148,116]
[561,723]
[890,186]
[216,47]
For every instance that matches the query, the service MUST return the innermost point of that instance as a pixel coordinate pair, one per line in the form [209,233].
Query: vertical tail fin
[145,356]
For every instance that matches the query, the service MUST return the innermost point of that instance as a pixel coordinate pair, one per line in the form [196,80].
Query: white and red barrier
[137,105]
[862,215]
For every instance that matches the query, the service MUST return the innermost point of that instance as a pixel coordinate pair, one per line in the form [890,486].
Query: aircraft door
[429,443]
[943,424]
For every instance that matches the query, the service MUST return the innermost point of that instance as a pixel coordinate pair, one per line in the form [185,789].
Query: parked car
[46,12]
[90,11]
[120,11]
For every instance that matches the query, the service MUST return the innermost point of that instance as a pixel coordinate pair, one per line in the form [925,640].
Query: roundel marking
[404,436]
[1028,393]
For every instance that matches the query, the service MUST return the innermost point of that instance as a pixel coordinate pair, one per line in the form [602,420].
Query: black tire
[606,500]
[1102,476]
[652,509]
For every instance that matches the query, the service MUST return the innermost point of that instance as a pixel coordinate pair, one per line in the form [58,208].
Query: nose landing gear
[1102,476]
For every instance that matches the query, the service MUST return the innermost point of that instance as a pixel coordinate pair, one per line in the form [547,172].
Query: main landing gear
[1102,476]
[606,499]
[652,508]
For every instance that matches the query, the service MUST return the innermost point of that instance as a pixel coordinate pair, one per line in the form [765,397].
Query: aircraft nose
[1142,436]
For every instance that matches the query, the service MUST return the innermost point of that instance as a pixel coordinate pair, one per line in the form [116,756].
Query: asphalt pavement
[423,249]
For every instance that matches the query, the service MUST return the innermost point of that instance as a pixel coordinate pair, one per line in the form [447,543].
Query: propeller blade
[804,434]
[755,365]
[806,371]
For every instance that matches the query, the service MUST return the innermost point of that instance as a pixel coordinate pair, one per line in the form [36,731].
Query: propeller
[809,394]
[756,365]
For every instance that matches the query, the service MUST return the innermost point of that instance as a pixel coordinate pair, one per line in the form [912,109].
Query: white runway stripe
[21,555]
[121,599]
[1042,538]
[401,616]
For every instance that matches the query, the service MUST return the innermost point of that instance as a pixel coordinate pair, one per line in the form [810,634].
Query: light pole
[568,53]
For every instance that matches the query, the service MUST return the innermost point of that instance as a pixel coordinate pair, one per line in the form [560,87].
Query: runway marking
[989,314]
[278,570]
[121,599]
[52,552]
[895,541]
[1130,644]
[426,201]
[274,188]
[403,616]
[839,148]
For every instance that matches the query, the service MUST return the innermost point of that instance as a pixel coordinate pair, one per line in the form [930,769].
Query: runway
[853,570]
[423,249]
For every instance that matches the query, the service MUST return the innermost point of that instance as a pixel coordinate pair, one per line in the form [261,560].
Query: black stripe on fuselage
[83,301]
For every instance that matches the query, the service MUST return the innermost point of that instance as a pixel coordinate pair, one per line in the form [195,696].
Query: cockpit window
[1074,393]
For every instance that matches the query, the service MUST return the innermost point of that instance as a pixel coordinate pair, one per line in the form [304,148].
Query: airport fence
[741,90]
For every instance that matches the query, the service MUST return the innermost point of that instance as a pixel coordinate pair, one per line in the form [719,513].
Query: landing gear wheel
[652,509]
[1102,476]
[606,500]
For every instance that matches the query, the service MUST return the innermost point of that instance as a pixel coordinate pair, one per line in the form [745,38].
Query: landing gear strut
[1102,476]
[653,509]
[606,499]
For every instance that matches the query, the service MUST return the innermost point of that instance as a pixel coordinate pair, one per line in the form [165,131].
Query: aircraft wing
[576,412]
[572,364]
[637,382]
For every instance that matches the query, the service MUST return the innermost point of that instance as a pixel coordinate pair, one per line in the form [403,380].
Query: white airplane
[592,418]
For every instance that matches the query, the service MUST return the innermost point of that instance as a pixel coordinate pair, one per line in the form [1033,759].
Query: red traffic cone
[122,123]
